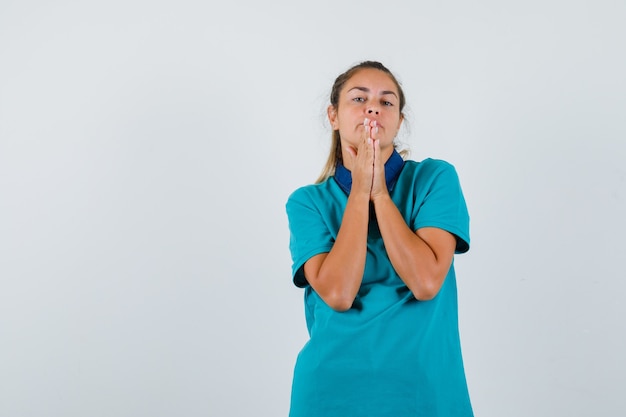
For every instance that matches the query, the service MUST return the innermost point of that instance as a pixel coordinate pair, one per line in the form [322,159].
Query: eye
[358,99]
[387,103]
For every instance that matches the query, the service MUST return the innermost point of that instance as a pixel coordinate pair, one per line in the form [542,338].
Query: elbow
[339,302]
[427,289]
[338,296]
[424,295]
[340,305]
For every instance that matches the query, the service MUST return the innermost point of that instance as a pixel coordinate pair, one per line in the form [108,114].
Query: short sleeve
[443,204]
[309,232]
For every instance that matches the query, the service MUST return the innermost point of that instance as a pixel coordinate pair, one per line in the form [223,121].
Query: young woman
[372,243]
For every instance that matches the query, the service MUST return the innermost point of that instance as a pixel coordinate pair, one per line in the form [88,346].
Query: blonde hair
[334,156]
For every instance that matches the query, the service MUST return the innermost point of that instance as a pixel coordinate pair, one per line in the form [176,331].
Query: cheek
[398,123]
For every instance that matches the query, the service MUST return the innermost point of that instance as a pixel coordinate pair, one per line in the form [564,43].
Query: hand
[379,184]
[361,159]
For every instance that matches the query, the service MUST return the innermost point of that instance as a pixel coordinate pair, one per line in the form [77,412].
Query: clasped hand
[368,166]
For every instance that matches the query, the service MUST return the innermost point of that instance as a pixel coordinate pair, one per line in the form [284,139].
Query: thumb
[350,150]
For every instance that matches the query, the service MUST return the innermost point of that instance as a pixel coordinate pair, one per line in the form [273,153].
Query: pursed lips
[377,124]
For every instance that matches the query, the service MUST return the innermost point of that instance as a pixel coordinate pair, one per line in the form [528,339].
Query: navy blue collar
[393,166]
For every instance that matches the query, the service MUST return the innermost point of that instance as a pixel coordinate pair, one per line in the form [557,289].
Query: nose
[372,111]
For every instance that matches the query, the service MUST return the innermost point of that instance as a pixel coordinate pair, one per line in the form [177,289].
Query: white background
[147,149]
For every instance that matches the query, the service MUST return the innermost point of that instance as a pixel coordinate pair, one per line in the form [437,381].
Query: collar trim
[393,166]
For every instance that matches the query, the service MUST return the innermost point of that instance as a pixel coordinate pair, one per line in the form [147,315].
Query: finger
[366,129]
[376,147]
[379,164]
[374,129]
[350,151]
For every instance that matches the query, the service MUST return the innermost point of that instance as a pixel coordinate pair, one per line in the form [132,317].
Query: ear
[332,117]
[400,121]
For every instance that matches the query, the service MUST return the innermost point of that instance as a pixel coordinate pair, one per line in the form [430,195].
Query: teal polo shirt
[390,354]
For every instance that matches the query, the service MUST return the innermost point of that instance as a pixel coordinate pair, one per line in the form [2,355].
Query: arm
[336,276]
[421,258]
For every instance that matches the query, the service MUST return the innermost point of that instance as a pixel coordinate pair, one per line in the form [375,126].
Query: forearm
[338,278]
[413,258]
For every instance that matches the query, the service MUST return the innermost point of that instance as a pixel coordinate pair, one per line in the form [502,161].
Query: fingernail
[374,123]
[366,122]
[376,129]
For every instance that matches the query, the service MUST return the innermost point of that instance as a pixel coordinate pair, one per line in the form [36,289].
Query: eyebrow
[367,90]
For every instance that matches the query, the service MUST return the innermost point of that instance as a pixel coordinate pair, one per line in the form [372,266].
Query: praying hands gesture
[368,166]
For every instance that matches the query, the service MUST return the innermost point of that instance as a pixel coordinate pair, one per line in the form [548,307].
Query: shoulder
[428,166]
[428,170]
[314,195]
[310,191]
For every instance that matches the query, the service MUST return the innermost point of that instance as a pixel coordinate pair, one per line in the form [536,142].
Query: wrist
[359,196]
[381,198]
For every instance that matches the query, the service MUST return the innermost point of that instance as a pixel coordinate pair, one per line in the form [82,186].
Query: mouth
[370,123]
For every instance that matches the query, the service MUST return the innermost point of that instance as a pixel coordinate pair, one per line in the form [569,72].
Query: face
[371,94]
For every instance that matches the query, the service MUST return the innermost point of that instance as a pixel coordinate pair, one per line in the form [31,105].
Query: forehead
[372,79]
